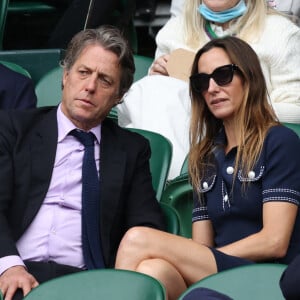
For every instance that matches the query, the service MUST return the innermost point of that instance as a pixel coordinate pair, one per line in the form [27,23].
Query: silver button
[251,174]
[205,185]
[225,198]
[230,170]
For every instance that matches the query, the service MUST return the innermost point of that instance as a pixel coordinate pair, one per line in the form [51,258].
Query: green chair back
[258,281]
[295,127]
[160,161]
[100,284]
[3,13]
[48,88]
[29,7]
[38,62]
[15,67]
[185,167]
[172,218]
[179,194]
[142,64]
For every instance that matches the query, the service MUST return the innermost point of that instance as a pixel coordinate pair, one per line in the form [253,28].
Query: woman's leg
[190,259]
[166,273]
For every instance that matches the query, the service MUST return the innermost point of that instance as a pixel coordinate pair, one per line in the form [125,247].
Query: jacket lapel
[42,151]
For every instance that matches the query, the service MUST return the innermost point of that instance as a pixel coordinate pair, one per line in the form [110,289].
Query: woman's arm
[202,233]
[273,240]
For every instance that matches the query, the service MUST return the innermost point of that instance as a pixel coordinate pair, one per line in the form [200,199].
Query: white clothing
[162,104]
[176,7]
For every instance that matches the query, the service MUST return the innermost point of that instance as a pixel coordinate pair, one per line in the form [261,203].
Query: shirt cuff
[7,262]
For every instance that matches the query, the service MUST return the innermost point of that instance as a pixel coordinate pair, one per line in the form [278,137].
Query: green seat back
[295,127]
[29,7]
[171,217]
[179,194]
[3,14]
[100,284]
[185,166]
[142,64]
[258,281]
[48,88]
[160,161]
[15,67]
[37,62]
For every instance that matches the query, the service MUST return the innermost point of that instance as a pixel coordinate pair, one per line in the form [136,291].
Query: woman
[244,168]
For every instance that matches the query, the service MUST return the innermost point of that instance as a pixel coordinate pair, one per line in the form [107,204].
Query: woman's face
[220,5]
[223,101]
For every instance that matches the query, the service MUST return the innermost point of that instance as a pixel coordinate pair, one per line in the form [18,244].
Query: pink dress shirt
[55,233]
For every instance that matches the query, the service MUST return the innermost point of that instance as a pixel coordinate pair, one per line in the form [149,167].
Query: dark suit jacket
[28,141]
[16,90]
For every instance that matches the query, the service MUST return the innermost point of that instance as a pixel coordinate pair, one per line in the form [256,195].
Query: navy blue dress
[237,213]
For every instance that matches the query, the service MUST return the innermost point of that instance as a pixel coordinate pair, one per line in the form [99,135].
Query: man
[16,90]
[41,164]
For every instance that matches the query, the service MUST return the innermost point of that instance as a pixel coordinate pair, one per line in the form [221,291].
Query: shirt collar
[65,126]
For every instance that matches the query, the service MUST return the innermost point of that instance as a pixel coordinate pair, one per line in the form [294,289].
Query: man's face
[91,87]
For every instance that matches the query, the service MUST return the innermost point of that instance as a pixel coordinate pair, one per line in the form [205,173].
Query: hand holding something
[16,278]
[159,66]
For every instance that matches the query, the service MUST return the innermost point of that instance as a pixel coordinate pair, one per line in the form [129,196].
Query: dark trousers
[43,271]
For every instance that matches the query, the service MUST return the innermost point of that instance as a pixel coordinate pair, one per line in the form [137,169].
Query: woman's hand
[159,66]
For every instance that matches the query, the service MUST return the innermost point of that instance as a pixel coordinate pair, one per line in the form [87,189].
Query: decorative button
[225,198]
[205,185]
[230,170]
[251,174]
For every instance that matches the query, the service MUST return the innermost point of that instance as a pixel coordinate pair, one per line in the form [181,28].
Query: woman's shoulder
[279,22]
[282,134]
[173,27]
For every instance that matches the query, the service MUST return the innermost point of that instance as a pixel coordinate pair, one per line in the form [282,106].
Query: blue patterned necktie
[91,240]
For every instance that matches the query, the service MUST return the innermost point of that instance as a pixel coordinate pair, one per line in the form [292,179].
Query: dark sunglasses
[221,75]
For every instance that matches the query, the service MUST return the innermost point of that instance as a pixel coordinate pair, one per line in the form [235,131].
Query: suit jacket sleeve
[128,198]
[7,142]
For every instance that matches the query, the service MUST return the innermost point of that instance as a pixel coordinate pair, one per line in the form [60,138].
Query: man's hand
[16,278]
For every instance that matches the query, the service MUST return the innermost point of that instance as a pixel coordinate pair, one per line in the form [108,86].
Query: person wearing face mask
[274,37]
[244,169]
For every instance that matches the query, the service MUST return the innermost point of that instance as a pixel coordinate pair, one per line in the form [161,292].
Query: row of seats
[258,281]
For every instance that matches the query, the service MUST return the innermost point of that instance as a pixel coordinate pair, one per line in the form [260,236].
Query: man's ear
[64,77]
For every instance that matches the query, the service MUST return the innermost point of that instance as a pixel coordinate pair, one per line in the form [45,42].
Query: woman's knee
[135,240]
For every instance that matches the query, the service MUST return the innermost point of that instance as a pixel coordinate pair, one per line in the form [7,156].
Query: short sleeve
[199,210]
[281,179]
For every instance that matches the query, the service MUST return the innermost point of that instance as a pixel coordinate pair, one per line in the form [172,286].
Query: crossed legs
[175,261]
